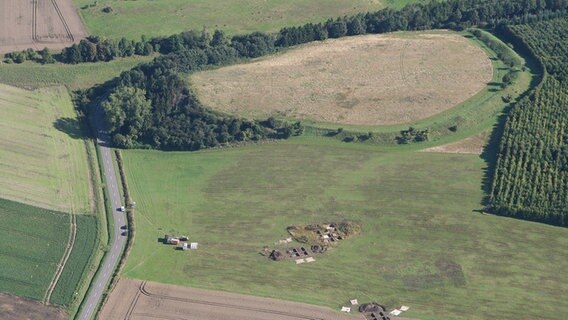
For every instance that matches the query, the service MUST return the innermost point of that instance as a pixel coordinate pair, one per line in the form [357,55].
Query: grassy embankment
[422,243]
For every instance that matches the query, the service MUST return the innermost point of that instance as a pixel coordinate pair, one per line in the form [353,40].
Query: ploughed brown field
[16,308]
[141,300]
[365,80]
[38,24]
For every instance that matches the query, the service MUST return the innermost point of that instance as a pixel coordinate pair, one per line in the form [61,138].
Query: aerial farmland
[199,160]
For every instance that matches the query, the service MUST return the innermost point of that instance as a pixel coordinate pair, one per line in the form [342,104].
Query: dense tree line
[531,177]
[43,56]
[453,14]
[151,106]
[94,49]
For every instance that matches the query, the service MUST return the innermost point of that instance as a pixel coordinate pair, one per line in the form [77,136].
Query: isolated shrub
[107,9]
[453,128]
[412,135]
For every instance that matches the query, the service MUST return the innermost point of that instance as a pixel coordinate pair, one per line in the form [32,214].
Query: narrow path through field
[403,51]
[63,262]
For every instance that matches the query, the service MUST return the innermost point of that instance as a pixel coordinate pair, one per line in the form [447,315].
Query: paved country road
[111,258]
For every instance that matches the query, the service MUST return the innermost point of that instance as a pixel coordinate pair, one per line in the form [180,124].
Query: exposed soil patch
[471,145]
[317,238]
[367,80]
[321,236]
[17,308]
[137,300]
[38,24]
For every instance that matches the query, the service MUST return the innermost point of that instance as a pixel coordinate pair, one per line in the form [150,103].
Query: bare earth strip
[140,300]
[38,24]
[16,308]
[471,145]
[367,80]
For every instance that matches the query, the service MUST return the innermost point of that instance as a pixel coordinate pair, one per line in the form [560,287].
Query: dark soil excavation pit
[318,238]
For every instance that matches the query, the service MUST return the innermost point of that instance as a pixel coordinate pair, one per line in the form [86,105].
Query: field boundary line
[63,262]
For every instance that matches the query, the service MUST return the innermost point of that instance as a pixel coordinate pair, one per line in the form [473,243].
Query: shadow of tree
[71,126]
[490,154]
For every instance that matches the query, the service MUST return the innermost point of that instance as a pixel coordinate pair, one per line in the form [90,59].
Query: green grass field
[133,19]
[78,263]
[32,75]
[422,244]
[32,242]
[43,160]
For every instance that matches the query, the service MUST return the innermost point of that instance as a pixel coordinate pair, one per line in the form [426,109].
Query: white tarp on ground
[298,261]
[404,308]
[345,309]
[310,259]
[395,312]
[354,302]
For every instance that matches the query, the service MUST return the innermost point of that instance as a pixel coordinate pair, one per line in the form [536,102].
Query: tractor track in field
[34,20]
[65,25]
[402,54]
[63,262]
[134,301]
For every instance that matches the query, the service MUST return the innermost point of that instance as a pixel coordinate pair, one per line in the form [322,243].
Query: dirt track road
[141,300]
[118,241]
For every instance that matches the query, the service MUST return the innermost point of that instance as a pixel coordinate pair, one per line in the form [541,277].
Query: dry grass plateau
[365,80]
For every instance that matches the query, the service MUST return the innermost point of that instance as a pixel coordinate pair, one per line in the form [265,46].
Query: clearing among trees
[38,24]
[365,80]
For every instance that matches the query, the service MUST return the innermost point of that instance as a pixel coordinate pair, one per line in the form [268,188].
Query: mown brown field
[38,24]
[366,80]
[16,308]
[134,299]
